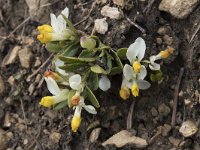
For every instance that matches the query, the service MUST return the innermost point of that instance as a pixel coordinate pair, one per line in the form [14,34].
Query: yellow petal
[75,123]
[135,90]
[137,67]
[166,53]
[47,101]
[45,28]
[124,93]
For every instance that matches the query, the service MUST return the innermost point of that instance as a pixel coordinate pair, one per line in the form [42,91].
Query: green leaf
[97,69]
[86,54]
[70,24]
[74,67]
[93,81]
[121,53]
[53,47]
[115,70]
[70,95]
[71,60]
[92,97]
[60,105]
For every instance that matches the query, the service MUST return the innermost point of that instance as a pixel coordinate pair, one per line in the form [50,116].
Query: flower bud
[87,42]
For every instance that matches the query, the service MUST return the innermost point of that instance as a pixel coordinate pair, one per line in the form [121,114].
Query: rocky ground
[144,122]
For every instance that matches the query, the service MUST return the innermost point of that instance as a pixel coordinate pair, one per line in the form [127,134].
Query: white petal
[65,12]
[154,66]
[54,23]
[128,72]
[141,46]
[75,82]
[104,83]
[143,84]
[52,86]
[132,52]
[143,73]
[90,109]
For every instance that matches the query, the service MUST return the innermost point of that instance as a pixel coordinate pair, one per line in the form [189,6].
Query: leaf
[60,105]
[92,97]
[97,69]
[74,67]
[71,60]
[70,24]
[121,53]
[70,95]
[86,54]
[93,81]
[115,70]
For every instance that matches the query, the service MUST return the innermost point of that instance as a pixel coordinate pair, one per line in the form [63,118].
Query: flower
[59,95]
[57,31]
[135,54]
[162,55]
[104,83]
[133,81]
[76,120]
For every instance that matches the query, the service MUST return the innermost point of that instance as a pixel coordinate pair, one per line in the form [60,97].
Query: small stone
[25,57]
[94,135]
[159,41]
[25,141]
[162,30]
[119,2]
[11,56]
[168,40]
[31,89]
[37,62]
[111,12]
[174,141]
[154,112]
[178,8]
[188,128]
[11,80]
[101,26]
[55,137]
[166,129]
[3,140]
[1,85]
[163,110]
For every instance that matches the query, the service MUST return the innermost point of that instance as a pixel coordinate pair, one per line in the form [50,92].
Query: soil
[26,125]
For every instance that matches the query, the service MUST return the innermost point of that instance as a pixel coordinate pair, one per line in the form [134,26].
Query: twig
[35,72]
[195,32]
[22,107]
[130,115]
[176,97]
[136,25]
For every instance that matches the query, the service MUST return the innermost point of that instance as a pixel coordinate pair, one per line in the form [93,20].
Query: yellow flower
[124,93]
[47,101]
[75,123]
[166,53]
[135,89]
[45,28]
[137,66]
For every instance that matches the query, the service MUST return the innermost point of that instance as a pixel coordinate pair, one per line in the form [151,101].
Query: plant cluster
[83,64]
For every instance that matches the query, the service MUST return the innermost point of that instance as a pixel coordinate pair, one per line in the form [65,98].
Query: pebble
[188,128]
[167,39]
[111,12]
[3,140]
[55,137]
[101,26]
[11,80]
[2,87]
[178,8]
[154,112]
[25,57]
[11,56]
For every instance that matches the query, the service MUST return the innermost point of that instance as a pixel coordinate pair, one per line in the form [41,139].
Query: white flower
[104,83]
[133,81]
[59,95]
[135,54]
